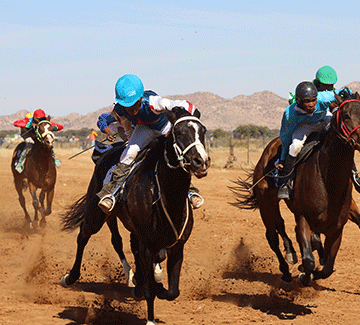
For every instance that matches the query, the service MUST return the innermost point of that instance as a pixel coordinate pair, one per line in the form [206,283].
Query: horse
[39,173]
[321,201]
[154,207]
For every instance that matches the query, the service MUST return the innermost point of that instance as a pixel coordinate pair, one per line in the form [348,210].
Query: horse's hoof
[42,223]
[65,281]
[158,272]
[291,258]
[150,322]
[306,281]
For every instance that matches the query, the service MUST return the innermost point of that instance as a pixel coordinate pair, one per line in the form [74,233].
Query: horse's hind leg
[87,229]
[117,243]
[316,244]
[290,253]
[270,214]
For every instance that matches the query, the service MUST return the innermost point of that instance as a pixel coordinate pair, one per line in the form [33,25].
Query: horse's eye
[346,116]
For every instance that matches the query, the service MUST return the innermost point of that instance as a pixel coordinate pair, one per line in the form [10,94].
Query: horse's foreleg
[49,199]
[354,214]
[117,243]
[331,247]
[150,286]
[35,202]
[175,257]
[303,236]
[19,189]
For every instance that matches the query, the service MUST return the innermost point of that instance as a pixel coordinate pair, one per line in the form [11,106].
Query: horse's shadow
[95,315]
[281,307]
[106,308]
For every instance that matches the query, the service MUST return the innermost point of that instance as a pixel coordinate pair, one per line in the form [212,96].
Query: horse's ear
[176,113]
[357,96]
[197,113]
[48,118]
[171,116]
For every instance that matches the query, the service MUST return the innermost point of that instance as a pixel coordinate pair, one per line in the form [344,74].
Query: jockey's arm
[159,105]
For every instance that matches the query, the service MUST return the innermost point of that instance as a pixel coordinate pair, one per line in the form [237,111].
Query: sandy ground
[229,275]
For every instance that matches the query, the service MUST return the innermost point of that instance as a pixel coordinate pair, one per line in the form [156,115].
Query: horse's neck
[39,152]
[336,160]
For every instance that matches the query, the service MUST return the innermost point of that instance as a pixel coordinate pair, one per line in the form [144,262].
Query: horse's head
[189,141]
[347,117]
[44,133]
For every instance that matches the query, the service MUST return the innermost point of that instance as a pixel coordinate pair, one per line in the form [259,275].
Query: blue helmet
[128,90]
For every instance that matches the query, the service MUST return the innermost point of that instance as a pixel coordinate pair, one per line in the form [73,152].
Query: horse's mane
[154,152]
[346,94]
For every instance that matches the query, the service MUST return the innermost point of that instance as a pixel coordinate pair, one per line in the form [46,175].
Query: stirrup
[197,195]
[283,193]
[19,168]
[111,198]
[57,162]
[356,180]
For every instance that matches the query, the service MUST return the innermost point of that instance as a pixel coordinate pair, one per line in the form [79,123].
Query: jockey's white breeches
[304,130]
[140,138]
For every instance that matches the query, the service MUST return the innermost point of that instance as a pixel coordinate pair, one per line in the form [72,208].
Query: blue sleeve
[105,120]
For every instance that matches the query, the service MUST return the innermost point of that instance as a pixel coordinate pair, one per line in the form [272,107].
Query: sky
[66,56]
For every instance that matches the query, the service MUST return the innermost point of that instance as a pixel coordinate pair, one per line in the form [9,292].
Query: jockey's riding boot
[111,191]
[19,167]
[56,160]
[283,192]
[355,178]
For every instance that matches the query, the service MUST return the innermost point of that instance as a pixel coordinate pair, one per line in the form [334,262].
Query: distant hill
[262,108]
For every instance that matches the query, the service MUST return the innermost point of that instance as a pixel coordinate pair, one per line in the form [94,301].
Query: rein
[178,151]
[341,125]
[177,235]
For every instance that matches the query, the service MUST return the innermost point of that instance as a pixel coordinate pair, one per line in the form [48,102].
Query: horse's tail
[245,195]
[74,215]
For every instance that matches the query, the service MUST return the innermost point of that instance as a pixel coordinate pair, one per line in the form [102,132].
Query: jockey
[141,114]
[325,79]
[27,126]
[310,113]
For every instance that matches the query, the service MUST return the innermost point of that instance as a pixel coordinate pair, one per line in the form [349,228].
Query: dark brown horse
[155,207]
[39,173]
[321,201]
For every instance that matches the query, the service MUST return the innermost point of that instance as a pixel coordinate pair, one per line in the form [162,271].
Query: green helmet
[326,75]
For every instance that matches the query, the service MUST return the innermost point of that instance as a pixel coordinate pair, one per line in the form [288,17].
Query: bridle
[341,126]
[180,154]
[42,136]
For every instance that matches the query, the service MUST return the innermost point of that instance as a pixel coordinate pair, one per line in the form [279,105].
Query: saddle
[312,144]
[106,157]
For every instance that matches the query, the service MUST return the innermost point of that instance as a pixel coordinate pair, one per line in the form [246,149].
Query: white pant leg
[141,136]
[303,131]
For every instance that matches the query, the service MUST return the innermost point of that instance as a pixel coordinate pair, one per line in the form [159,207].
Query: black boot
[285,174]
[355,178]
[111,191]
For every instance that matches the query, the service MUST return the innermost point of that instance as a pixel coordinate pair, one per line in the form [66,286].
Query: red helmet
[39,113]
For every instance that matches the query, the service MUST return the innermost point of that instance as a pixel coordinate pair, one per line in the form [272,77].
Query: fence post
[232,157]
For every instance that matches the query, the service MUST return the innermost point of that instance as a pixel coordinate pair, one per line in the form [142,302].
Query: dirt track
[229,275]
